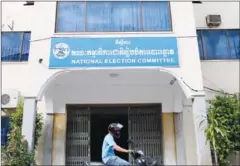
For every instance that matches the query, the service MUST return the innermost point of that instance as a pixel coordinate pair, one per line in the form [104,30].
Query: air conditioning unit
[213,20]
[10,99]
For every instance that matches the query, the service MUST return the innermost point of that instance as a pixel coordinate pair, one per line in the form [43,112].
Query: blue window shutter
[234,43]
[25,46]
[70,16]
[11,46]
[219,44]
[200,44]
[215,44]
[15,46]
[3,137]
[156,16]
[113,16]
[5,126]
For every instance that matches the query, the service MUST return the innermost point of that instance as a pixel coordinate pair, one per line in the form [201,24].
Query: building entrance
[87,126]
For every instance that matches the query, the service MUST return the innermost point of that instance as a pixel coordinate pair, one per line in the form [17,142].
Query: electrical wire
[208,88]
[218,91]
[195,90]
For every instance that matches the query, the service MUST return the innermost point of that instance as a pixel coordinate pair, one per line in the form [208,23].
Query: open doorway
[87,126]
[101,117]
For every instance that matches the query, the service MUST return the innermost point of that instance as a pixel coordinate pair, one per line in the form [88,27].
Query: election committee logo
[61,50]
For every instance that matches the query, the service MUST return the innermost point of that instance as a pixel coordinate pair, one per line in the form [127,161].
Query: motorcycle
[139,159]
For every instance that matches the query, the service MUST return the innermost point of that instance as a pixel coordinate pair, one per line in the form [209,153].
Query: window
[15,46]
[117,16]
[4,130]
[219,44]
[108,16]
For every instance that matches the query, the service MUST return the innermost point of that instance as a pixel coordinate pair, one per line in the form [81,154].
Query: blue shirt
[107,147]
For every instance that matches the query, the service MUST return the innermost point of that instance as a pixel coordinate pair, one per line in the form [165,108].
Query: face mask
[117,134]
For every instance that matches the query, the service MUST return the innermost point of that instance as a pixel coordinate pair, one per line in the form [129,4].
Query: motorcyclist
[109,145]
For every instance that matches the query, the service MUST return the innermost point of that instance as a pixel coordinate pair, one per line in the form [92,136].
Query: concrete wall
[191,145]
[42,29]
[99,88]
[23,18]
[219,74]
[230,20]
[41,24]
[40,20]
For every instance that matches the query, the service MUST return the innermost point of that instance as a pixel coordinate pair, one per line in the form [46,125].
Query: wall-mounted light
[172,81]
[40,60]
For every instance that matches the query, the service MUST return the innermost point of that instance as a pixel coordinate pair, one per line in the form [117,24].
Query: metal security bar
[78,136]
[145,130]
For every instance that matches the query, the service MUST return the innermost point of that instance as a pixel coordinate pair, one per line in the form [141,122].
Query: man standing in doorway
[109,145]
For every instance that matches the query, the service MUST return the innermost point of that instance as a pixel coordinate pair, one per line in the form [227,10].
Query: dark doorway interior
[101,117]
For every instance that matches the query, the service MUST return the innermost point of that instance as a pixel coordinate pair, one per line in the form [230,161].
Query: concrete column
[59,139]
[29,118]
[188,132]
[203,148]
[48,128]
[197,152]
[168,139]
[179,138]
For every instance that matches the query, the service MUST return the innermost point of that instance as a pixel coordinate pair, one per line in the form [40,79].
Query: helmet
[114,129]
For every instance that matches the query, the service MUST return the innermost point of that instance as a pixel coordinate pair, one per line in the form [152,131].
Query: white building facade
[144,64]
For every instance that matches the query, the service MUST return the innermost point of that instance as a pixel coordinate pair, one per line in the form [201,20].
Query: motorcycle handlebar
[133,144]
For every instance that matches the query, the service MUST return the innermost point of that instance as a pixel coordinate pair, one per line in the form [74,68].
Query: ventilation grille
[5,99]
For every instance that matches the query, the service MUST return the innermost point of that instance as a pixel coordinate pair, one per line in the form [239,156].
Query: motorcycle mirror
[154,162]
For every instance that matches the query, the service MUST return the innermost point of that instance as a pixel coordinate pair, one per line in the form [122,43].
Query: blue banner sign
[113,52]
